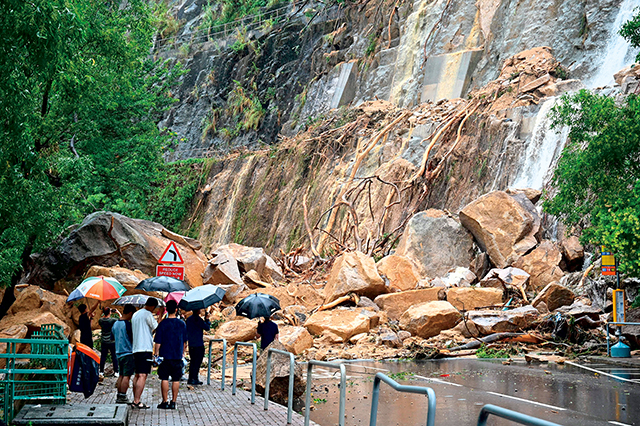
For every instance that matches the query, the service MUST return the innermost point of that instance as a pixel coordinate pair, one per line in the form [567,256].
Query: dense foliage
[598,174]
[79,101]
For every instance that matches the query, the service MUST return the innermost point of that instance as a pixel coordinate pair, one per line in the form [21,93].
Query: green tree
[79,101]
[598,174]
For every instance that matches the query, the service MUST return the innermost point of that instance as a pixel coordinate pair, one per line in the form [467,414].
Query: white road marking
[618,423]
[529,401]
[593,370]
[431,379]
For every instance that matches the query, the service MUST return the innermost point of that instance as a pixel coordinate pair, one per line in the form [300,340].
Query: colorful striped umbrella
[99,288]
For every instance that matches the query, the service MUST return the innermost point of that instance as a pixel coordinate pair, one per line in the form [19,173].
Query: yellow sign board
[608,262]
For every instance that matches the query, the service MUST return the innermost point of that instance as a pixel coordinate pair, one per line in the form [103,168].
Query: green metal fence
[39,375]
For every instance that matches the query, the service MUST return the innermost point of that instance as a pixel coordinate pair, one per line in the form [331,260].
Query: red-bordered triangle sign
[171,254]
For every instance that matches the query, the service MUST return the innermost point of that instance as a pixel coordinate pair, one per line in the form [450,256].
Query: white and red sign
[171,255]
[170,271]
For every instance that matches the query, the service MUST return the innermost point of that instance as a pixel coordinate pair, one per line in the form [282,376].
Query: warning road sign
[170,271]
[171,255]
[608,262]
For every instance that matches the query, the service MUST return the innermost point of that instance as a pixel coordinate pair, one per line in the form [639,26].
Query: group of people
[137,341]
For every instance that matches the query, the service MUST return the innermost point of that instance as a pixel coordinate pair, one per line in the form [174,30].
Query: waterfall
[618,52]
[541,152]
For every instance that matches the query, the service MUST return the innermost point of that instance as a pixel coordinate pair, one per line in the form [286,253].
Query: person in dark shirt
[195,327]
[107,342]
[84,325]
[170,344]
[268,330]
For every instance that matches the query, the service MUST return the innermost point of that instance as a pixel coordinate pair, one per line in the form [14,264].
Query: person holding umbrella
[195,328]
[261,305]
[84,324]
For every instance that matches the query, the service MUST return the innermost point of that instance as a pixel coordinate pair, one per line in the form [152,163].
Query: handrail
[620,324]
[343,385]
[235,367]
[224,361]
[381,377]
[292,363]
[513,416]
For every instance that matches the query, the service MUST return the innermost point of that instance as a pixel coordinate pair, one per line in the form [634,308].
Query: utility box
[74,414]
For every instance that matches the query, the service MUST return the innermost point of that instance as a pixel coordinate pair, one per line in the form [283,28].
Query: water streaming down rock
[618,53]
[542,150]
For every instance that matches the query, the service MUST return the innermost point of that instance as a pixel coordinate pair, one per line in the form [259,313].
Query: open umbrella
[257,305]
[166,284]
[176,295]
[201,297]
[137,300]
[99,288]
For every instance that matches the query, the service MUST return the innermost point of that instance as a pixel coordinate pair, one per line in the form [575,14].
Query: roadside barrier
[253,369]
[513,416]
[380,377]
[343,385]
[292,366]
[224,361]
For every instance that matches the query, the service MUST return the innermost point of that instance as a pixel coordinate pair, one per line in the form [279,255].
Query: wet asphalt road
[563,394]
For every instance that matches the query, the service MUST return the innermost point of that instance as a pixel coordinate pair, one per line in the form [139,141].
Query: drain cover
[73,414]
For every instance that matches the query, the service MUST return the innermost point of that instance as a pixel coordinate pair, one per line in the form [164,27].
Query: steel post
[292,366]
[253,368]
[224,361]
[343,385]
[380,377]
[513,416]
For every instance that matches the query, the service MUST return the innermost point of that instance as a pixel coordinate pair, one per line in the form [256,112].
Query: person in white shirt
[143,325]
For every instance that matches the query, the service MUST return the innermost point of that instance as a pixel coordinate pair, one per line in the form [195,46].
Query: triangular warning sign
[171,254]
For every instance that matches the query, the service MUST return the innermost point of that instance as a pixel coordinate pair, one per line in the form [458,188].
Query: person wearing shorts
[143,324]
[123,336]
[170,344]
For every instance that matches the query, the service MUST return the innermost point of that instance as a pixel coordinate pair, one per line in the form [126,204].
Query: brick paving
[199,406]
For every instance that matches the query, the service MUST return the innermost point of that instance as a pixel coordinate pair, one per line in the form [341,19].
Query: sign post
[610,267]
[171,263]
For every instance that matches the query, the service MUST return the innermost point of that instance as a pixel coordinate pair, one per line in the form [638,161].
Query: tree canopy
[80,97]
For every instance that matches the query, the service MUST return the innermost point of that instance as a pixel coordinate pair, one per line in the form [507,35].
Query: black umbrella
[166,284]
[257,305]
[137,300]
[201,297]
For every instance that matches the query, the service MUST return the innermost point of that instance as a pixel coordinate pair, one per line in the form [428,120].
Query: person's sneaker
[172,405]
[199,382]
[122,400]
[164,405]
[116,374]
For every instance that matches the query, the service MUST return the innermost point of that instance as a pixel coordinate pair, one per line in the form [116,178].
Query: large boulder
[111,239]
[429,319]
[241,330]
[279,376]
[459,277]
[302,294]
[251,258]
[573,253]
[506,278]
[499,223]
[33,300]
[436,243]
[222,269]
[553,295]
[467,299]
[401,272]
[341,322]
[295,339]
[354,272]
[543,264]
[489,322]
[395,304]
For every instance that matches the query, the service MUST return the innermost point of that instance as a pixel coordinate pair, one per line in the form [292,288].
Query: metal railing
[513,416]
[380,377]
[37,376]
[620,324]
[253,369]
[343,385]
[224,361]
[292,366]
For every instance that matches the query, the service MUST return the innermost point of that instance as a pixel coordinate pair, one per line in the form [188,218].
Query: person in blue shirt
[195,328]
[170,344]
[268,330]
[123,336]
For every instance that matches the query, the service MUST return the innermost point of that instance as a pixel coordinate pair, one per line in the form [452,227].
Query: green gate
[39,374]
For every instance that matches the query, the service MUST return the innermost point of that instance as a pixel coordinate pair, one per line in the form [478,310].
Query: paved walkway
[198,406]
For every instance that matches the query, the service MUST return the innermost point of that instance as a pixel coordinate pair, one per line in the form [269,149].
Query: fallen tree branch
[495,337]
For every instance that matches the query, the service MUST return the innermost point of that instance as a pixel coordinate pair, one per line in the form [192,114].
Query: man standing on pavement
[171,342]
[123,335]
[195,326]
[143,324]
[108,344]
[84,324]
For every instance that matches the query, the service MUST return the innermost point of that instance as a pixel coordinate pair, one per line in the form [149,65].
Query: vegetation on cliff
[79,103]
